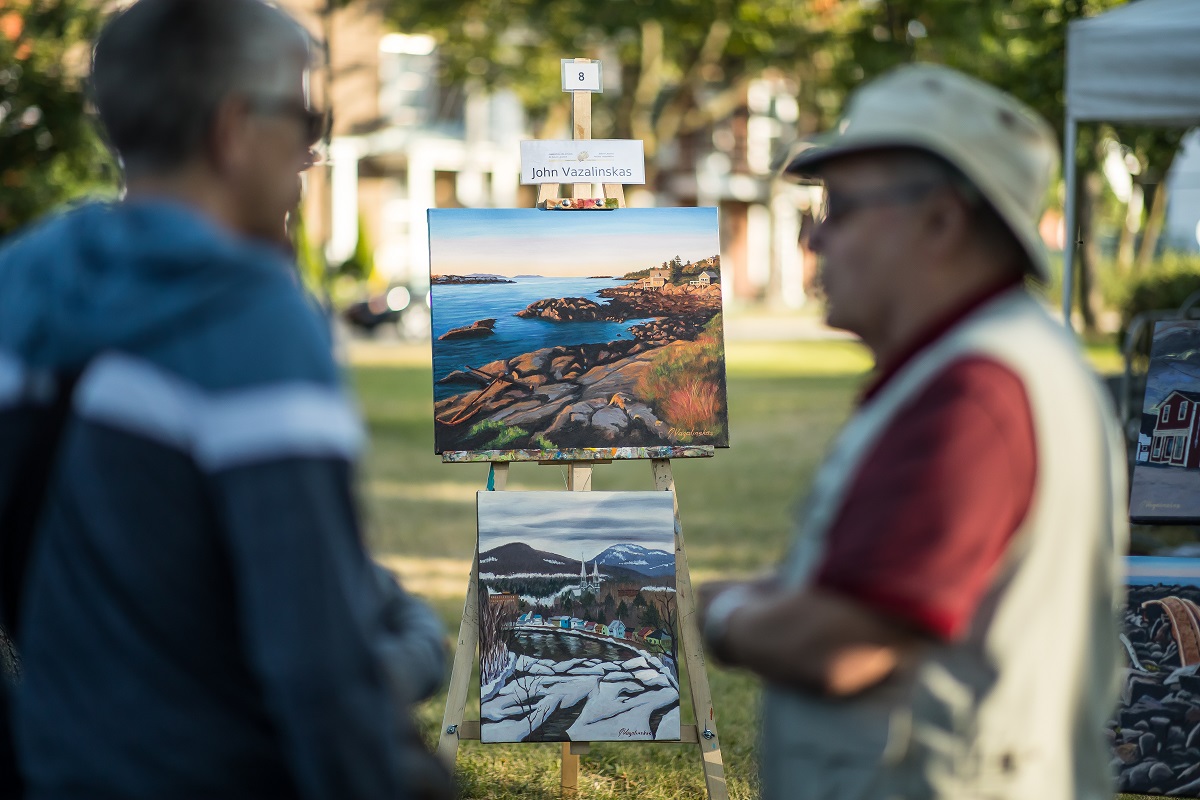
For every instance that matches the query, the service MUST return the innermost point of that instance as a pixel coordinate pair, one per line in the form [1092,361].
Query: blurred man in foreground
[944,625]
[199,617]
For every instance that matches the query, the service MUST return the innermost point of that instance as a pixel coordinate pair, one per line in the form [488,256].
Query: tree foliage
[1017,45]
[51,150]
[671,66]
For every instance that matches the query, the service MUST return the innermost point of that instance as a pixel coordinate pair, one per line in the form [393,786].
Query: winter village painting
[1156,731]
[577,613]
[1166,473]
[567,329]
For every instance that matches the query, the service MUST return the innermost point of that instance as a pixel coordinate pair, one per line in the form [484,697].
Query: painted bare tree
[525,693]
[667,614]
[494,622]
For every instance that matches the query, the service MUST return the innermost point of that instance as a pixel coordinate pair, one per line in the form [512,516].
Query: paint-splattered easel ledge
[580,454]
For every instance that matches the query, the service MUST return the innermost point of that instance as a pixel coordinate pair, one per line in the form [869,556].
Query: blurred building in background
[403,143]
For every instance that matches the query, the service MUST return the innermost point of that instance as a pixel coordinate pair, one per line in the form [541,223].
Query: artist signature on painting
[676,432]
[625,733]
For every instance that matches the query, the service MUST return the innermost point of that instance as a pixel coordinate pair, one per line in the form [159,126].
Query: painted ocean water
[457,305]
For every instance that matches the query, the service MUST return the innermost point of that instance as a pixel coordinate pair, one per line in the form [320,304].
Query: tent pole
[1069,214]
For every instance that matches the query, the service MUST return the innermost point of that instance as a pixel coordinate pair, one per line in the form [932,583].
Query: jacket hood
[131,275]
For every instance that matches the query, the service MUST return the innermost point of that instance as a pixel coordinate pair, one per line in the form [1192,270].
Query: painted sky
[577,524]
[1151,570]
[527,241]
[1173,367]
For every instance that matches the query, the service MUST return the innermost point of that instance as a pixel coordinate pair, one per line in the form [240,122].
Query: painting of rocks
[1156,731]
[577,617]
[556,330]
[1166,472]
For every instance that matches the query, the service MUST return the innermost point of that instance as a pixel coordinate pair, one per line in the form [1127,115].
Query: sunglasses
[838,206]
[315,124]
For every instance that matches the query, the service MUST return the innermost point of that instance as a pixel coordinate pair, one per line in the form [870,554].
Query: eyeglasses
[837,207]
[315,124]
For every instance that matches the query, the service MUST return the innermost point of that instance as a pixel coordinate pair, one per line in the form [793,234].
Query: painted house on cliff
[1176,438]
[657,279]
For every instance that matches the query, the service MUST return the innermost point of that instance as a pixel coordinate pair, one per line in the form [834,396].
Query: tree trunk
[1154,226]
[1089,190]
[1133,221]
[649,84]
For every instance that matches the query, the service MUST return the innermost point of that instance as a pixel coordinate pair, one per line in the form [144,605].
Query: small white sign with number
[581,76]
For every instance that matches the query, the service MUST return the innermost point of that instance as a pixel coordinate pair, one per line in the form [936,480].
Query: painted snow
[550,669]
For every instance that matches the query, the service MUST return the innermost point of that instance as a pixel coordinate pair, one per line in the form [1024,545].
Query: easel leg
[579,479]
[464,652]
[693,651]
[570,770]
[460,676]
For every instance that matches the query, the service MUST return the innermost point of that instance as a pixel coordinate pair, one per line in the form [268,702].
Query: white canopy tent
[1139,63]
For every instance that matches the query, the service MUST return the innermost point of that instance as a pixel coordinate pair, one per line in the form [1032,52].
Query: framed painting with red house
[1166,473]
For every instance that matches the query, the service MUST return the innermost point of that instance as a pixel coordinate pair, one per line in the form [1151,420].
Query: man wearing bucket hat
[943,626]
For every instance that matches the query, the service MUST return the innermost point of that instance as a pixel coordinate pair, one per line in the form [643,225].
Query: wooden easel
[579,465]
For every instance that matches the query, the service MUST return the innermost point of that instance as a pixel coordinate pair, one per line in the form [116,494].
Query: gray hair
[161,68]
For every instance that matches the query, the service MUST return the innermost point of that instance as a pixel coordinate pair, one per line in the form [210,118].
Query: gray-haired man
[944,625]
[200,618]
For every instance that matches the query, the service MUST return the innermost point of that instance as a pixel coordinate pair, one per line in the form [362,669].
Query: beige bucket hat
[1000,144]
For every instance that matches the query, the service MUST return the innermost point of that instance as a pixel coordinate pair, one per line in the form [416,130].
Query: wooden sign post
[579,465]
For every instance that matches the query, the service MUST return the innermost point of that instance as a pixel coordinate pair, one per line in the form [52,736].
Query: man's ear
[948,220]
[228,140]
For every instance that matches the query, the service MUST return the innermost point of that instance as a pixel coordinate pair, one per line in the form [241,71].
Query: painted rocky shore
[594,395]
[1156,732]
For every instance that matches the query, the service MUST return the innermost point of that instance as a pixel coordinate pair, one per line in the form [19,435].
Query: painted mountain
[1155,732]
[577,616]
[1166,472]
[638,559]
[512,563]
[557,330]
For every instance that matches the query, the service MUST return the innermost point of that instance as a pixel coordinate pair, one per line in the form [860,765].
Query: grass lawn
[786,401]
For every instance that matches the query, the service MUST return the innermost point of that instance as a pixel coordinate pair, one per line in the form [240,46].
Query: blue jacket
[199,617]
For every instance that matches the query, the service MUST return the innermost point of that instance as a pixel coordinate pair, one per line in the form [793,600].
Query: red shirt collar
[885,372]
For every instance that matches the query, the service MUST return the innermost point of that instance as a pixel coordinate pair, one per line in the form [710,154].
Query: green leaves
[51,151]
[663,58]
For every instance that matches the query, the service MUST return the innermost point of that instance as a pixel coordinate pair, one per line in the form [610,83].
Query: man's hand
[706,592]
[715,613]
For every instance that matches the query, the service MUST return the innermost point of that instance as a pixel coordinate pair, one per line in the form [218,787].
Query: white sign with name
[583,161]
[581,76]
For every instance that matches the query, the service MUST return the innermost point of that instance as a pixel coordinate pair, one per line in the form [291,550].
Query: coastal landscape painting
[577,617]
[1166,472]
[1155,733]
[556,330]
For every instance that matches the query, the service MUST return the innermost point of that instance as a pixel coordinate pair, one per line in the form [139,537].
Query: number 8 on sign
[581,76]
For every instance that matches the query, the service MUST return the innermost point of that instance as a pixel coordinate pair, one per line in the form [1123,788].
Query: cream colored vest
[1017,709]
